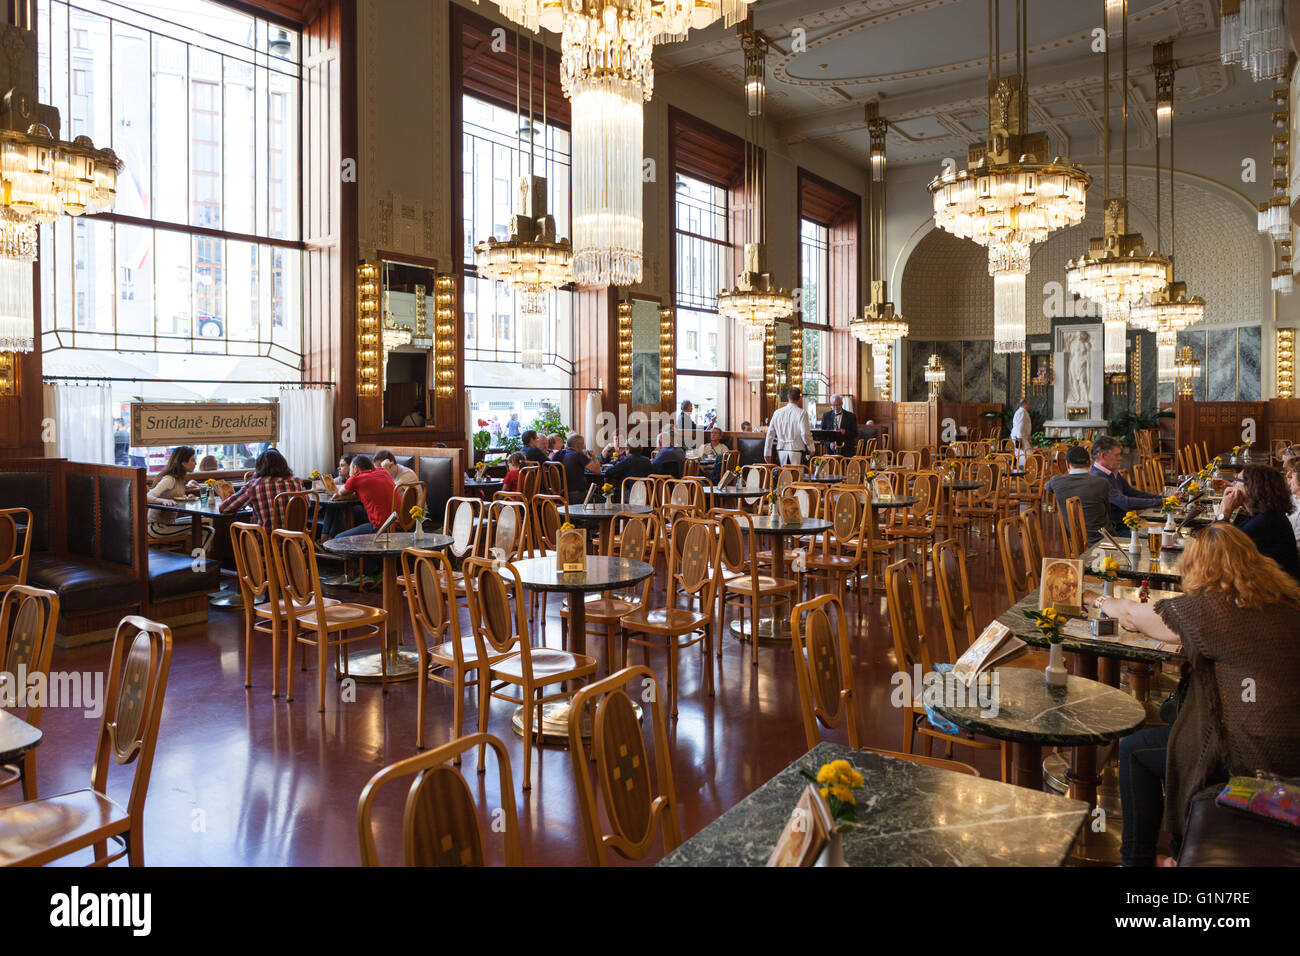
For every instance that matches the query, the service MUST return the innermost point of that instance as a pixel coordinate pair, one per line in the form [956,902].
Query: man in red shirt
[374,486]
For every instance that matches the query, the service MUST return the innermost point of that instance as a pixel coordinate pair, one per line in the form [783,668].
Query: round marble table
[827,479]
[17,737]
[1166,567]
[603,573]
[403,663]
[1030,715]
[774,630]
[485,486]
[602,516]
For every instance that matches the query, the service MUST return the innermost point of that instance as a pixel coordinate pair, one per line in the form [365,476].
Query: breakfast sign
[159,424]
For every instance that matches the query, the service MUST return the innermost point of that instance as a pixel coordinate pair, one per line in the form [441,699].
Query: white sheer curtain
[83,422]
[307,429]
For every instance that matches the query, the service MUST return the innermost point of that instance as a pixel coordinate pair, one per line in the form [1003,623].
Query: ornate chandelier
[756,302]
[607,72]
[1187,369]
[532,262]
[1275,215]
[1252,34]
[878,326]
[41,177]
[1009,198]
[1116,273]
[935,375]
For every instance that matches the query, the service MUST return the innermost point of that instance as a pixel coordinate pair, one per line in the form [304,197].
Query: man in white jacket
[789,433]
[1021,428]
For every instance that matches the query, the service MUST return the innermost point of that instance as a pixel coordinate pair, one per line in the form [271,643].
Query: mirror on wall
[406,323]
[645,352]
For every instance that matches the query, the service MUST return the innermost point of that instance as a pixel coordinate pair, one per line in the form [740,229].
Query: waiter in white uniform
[1021,428]
[789,434]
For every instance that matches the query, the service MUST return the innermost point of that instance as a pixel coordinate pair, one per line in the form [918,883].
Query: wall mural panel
[1249,346]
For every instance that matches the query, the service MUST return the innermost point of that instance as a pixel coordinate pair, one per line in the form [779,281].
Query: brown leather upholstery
[83,585]
[116,521]
[30,490]
[174,575]
[80,491]
[439,483]
[1219,836]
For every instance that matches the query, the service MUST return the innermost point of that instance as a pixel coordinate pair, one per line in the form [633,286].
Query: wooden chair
[691,468]
[555,480]
[636,806]
[823,668]
[918,523]
[255,571]
[16,546]
[1018,571]
[549,512]
[742,584]
[1026,491]
[912,650]
[907,461]
[46,829]
[1034,536]
[883,459]
[693,573]
[430,598]
[28,619]
[499,618]
[530,481]
[1074,530]
[440,819]
[637,539]
[406,497]
[783,475]
[839,559]
[462,518]
[639,491]
[981,507]
[316,623]
[1205,454]
[957,608]
[296,511]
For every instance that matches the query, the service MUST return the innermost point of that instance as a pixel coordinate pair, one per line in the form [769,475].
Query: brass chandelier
[1117,273]
[879,325]
[1010,196]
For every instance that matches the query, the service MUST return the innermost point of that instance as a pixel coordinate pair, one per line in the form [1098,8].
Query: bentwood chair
[743,586]
[637,806]
[406,497]
[555,480]
[1018,570]
[440,819]
[448,656]
[912,649]
[295,511]
[1074,530]
[918,523]
[823,669]
[638,491]
[1033,520]
[693,573]
[16,546]
[314,622]
[46,829]
[28,619]
[530,481]
[981,507]
[840,555]
[499,618]
[255,571]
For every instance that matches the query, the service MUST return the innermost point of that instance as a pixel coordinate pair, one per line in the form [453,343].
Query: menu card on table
[790,513]
[995,644]
[806,833]
[571,550]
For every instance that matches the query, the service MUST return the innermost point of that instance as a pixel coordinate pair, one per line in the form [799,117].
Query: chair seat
[548,664]
[337,615]
[8,580]
[284,608]
[832,562]
[603,609]
[38,831]
[667,619]
[445,654]
[745,583]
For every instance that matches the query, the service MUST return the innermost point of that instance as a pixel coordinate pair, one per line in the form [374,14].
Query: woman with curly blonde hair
[1236,710]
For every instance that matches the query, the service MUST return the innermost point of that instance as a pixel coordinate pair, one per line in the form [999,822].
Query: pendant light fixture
[1010,196]
[756,302]
[879,326]
[1117,272]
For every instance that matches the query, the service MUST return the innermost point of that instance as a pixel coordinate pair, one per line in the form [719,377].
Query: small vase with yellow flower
[836,782]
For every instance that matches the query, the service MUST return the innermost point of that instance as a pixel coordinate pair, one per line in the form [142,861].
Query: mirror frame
[384,257]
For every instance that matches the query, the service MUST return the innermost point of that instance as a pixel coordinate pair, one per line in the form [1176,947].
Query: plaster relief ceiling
[926,62]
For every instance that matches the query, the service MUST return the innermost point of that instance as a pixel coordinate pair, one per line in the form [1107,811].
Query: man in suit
[1107,453]
[1092,491]
[846,423]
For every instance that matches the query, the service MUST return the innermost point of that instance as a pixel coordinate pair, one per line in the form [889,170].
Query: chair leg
[753,628]
[291,642]
[135,845]
[248,647]
[322,662]
[484,699]
[673,654]
[421,700]
[275,658]
[909,728]
[530,705]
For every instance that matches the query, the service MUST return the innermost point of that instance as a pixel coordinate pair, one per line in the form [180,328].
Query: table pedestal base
[231,599]
[771,630]
[364,666]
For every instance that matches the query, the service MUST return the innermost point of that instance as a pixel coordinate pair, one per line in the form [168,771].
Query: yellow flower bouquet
[567,526]
[1107,569]
[836,782]
[417,513]
[1193,487]
[1132,519]
[1169,505]
[1050,621]
[606,488]
[315,475]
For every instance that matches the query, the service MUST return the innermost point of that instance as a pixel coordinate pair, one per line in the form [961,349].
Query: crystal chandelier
[1116,273]
[1010,196]
[878,325]
[607,72]
[1275,215]
[935,375]
[1252,34]
[532,262]
[1186,370]
[41,177]
[756,302]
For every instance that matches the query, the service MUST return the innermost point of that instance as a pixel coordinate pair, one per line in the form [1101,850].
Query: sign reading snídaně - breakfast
[160,424]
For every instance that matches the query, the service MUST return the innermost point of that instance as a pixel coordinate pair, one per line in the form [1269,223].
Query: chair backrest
[738,551]
[530,480]
[848,515]
[15,546]
[758,476]
[133,704]
[1034,536]
[638,537]
[1076,529]
[549,512]
[824,668]
[730,462]
[908,460]
[907,618]
[296,571]
[461,518]
[28,619]
[440,819]
[431,601]
[884,458]
[406,497]
[693,562]
[808,495]
[636,805]
[506,528]
[853,469]
[295,510]
[499,621]
[785,474]
[555,479]
[254,566]
[691,468]
[1019,575]
[954,597]
[638,491]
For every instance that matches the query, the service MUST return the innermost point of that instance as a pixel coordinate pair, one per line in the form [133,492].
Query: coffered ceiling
[926,61]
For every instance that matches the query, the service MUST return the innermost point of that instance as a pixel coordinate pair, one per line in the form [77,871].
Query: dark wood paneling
[491,74]
[1218,424]
[703,150]
[916,425]
[1284,420]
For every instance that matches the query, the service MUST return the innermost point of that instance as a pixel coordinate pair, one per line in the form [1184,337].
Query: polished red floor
[241,778]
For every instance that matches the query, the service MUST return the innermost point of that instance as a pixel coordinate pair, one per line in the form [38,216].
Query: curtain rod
[196,381]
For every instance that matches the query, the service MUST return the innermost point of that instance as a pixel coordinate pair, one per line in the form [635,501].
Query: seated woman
[271,476]
[1262,503]
[335,519]
[209,463]
[513,465]
[1239,624]
[715,448]
[172,485]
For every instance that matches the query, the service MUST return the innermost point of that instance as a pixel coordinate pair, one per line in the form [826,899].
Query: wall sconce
[935,375]
[1286,363]
[444,335]
[667,356]
[8,375]
[769,360]
[369,355]
[795,375]
[625,351]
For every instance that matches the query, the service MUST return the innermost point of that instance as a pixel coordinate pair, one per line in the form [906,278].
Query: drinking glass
[1155,538]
